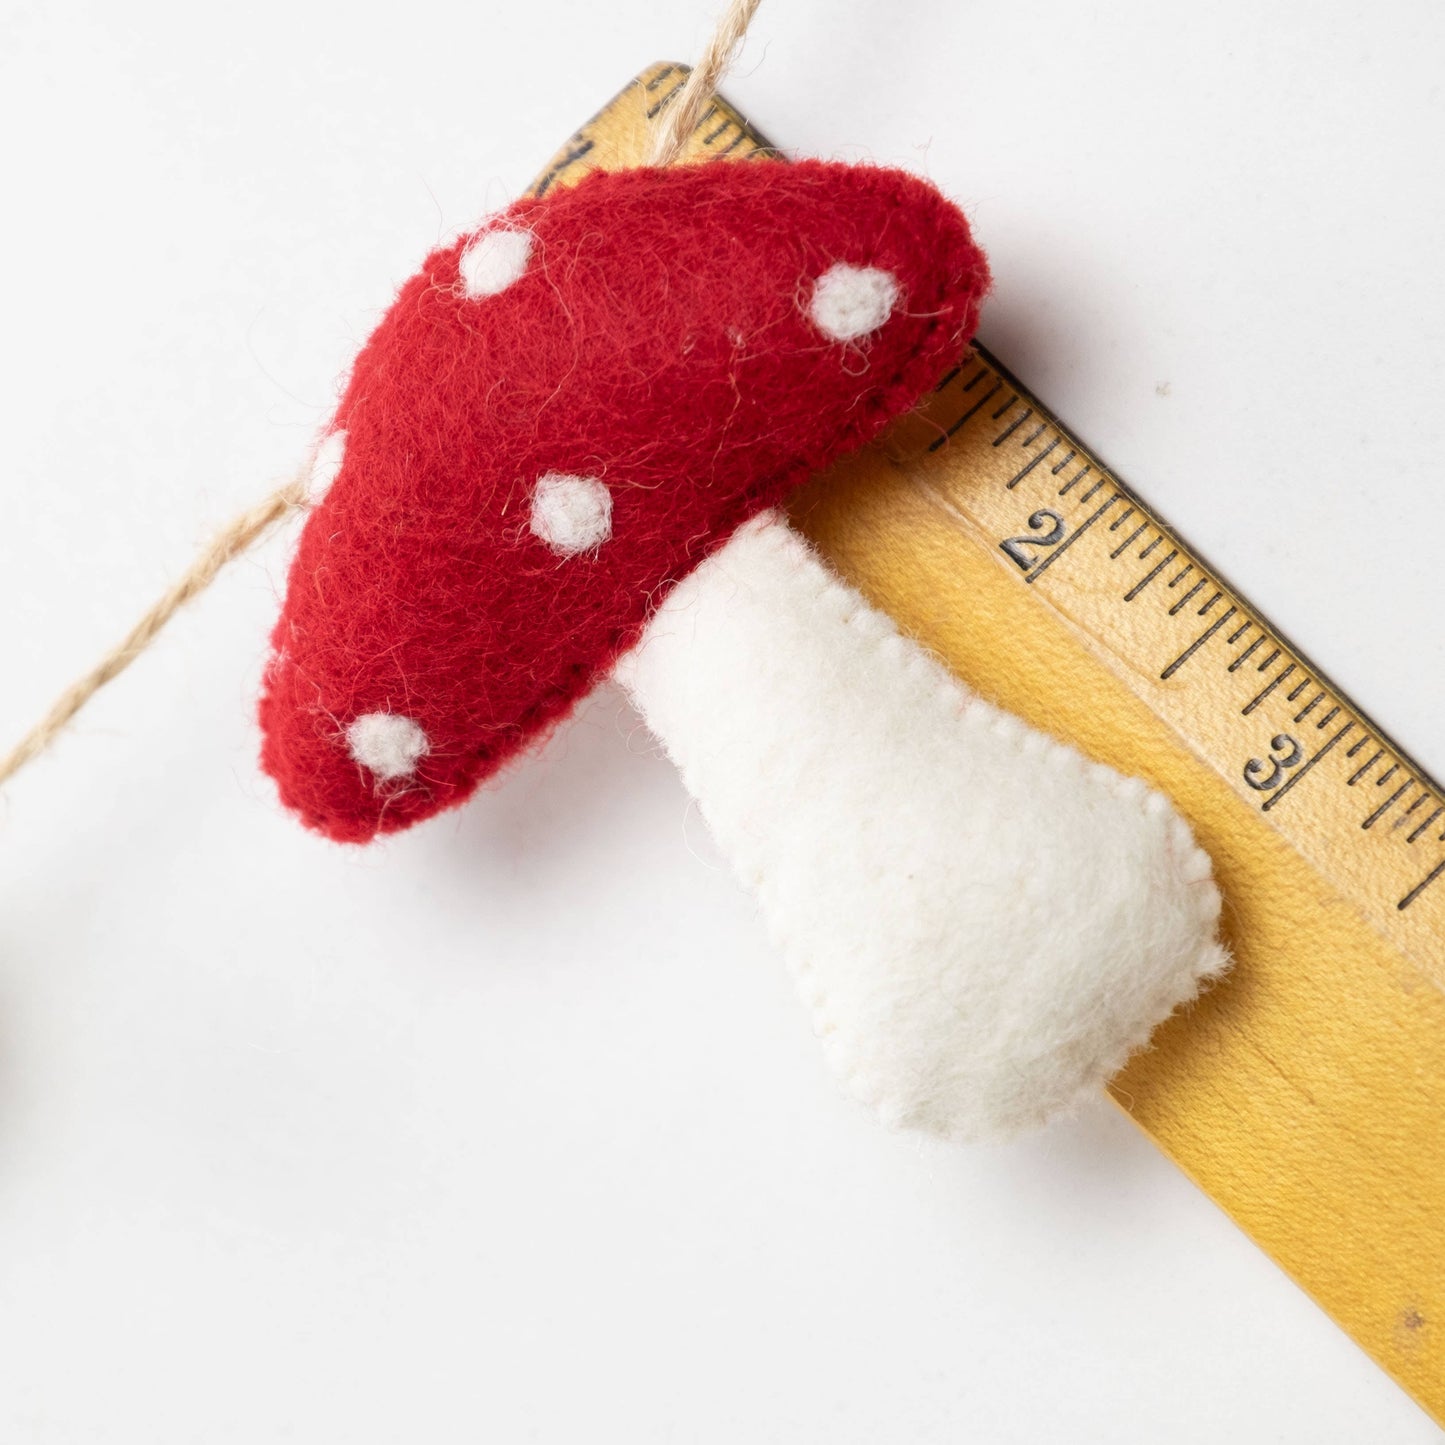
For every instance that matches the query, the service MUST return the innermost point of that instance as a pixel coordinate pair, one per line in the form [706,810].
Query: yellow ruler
[1306,1094]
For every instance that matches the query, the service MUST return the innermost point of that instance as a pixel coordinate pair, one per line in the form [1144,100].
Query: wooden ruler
[1306,1094]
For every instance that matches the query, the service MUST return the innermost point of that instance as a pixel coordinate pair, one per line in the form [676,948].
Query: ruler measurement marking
[1387,775]
[1413,808]
[1421,886]
[1005,407]
[1209,605]
[1174,582]
[1143,556]
[1295,778]
[1075,480]
[1071,538]
[1355,777]
[1035,434]
[1290,696]
[1128,541]
[1122,518]
[568,159]
[1423,826]
[969,385]
[1309,707]
[1195,646]
[1013,426]
[1244,656]
[1388,804]
[1057,468]
[1268,662]
[1028,466]
[1328,718]
[1184,601]
[1101,482]
[1138,587]
[992,392]
[657,106]
[1249,707]
[1239,632]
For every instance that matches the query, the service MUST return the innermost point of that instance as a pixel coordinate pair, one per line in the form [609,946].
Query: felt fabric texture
[983,923]
[650,330]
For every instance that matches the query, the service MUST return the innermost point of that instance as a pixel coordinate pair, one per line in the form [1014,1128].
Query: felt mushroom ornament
[560,455]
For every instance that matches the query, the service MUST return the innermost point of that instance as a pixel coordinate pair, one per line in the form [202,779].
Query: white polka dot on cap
[386,744]
[571,514]
[851,301]
[494,261]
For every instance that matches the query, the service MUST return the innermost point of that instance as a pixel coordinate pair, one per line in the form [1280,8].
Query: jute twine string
[239,536]
[674,125]
[678,120]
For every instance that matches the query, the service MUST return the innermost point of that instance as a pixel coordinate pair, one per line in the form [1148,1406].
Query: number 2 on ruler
[1014,546]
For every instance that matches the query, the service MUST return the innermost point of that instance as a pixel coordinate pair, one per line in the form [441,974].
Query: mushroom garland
[559,453]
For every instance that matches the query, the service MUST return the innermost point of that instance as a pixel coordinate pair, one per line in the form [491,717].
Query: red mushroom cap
[558,418]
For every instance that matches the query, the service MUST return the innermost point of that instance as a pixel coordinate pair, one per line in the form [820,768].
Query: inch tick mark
[1363,769]
[1071,539]
[1139,586]
[978,406]
[1184,601]
[1388,803]
[1028,466]
[1249,707]
[1013,426]
[1424,827]
[1421,886]
[1128,541]
[1195,645]
[1295,778]
[1245,655]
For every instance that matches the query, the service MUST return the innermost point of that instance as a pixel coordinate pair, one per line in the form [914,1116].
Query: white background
[511,1129]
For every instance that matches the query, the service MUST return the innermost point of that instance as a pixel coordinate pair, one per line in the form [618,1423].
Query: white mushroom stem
[983,923]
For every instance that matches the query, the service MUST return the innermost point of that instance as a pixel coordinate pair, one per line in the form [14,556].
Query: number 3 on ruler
[1289,752]
[1014,546]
